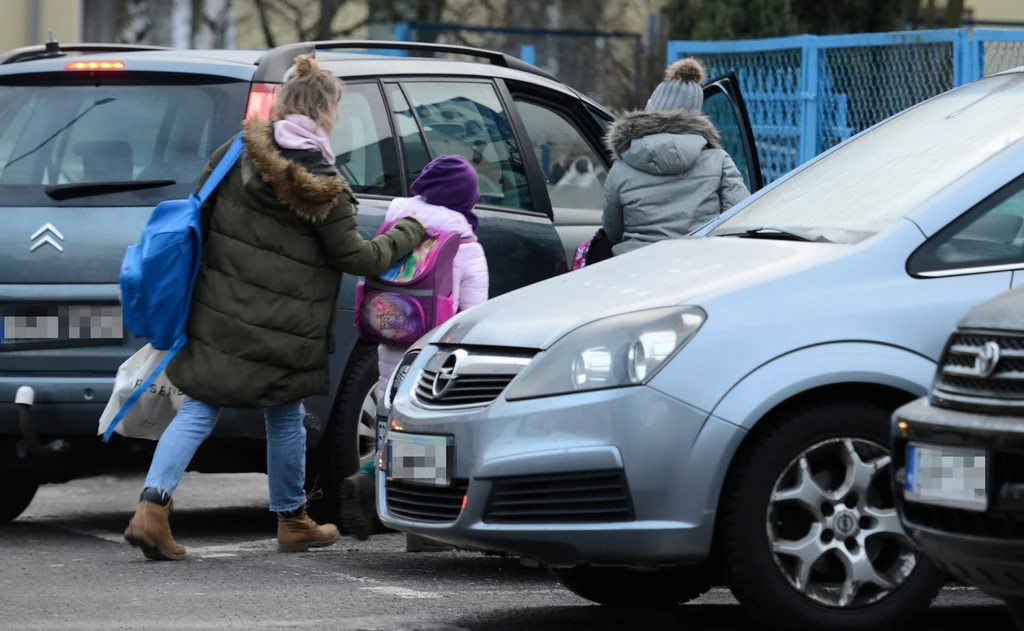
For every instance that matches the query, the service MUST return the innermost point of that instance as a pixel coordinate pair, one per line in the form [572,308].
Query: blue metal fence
[807,93]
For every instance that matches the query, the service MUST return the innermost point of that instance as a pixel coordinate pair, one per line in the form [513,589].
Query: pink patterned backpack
[597,249]
[414,295]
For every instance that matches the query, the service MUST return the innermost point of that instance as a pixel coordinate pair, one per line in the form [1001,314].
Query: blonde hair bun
[306,67]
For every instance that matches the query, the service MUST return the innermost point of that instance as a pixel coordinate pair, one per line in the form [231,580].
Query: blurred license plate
[59,326]
[419,458]
[947,476]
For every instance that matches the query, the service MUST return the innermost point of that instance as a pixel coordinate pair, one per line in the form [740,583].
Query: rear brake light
[94,65]
[261,100]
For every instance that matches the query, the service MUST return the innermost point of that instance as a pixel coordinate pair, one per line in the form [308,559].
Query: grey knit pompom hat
[681,89]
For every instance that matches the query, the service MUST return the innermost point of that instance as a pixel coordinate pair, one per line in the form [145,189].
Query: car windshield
[869,184]
[130,140]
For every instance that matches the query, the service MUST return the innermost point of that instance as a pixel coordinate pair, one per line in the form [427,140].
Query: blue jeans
[286,450]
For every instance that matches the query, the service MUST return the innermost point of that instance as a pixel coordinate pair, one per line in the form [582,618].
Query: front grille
[466,390]
[562,498]
[992,524]
[462,378]
[981,372]
[419,502]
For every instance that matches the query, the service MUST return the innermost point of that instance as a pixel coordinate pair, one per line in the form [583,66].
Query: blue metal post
[808,147]
[528,54]
[652,35]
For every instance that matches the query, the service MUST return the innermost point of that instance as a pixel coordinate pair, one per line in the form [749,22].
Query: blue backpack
[159,273]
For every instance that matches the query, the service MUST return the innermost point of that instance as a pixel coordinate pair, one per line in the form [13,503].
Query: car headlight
[625,350]
[401,371]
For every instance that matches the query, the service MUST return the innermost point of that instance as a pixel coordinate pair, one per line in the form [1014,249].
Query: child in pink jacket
[443,198]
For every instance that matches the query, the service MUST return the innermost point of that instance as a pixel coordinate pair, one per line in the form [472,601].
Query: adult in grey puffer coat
[671,175]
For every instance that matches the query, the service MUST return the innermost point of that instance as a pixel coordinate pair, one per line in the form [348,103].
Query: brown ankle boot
[300,533]
[150,530]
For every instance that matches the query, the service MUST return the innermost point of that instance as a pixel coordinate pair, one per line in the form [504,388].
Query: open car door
[724,104]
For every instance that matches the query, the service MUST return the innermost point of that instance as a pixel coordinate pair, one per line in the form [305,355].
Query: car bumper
[72,406]
[982,549]
[620,477]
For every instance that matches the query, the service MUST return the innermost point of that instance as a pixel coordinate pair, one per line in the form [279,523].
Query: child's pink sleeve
[475,281]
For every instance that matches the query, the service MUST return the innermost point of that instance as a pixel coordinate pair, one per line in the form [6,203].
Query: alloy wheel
[833,528]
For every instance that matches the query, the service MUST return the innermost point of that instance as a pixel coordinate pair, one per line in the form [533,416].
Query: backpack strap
[142,388]
[226,163]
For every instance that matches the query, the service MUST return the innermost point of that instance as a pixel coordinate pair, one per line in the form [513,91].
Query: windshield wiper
[89,189]
[773,233]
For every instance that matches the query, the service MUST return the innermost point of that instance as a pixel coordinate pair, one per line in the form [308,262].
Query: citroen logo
[986,360]
[446,373]
[44,236]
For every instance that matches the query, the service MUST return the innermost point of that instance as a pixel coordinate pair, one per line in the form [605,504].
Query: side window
[467,119]
[990,234]
[574,173]
[414,151]
[719,108]
[362,141]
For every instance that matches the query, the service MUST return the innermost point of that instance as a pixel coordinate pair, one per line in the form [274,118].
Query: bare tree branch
[264,17]
[348,30]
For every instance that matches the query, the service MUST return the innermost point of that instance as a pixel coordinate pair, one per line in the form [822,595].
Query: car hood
[676,272]
[1005,312]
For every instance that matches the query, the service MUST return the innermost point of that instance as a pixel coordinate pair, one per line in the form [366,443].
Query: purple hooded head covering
[452,182]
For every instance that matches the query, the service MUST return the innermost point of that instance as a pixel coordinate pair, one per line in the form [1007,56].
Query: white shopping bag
[154,410]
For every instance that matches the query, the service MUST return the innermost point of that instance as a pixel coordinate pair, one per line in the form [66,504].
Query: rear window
[150,129]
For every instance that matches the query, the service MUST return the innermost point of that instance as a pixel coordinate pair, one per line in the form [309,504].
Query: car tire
[755,567]
[15,498]
[629,588]
[338,455]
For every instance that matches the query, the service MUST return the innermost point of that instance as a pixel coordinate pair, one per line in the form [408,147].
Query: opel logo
[447,372]
[986,361]
[845,524]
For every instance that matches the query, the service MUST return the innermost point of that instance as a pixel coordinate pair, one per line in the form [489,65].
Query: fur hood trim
[637,124]
[309,196]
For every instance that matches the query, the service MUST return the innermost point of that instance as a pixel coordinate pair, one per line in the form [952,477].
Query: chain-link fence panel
[806,94]
[999,56]
[770,83]
[859,86]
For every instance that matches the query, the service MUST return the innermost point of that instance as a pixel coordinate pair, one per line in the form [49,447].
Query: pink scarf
[300,132]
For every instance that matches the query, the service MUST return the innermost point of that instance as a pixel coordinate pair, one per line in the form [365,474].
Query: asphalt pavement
[63,565]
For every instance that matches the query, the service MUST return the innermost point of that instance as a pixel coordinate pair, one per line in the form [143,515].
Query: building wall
[1002,10]
[26,22]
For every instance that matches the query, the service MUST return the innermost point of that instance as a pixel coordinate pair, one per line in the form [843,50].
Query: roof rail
[273,65]
[53,49]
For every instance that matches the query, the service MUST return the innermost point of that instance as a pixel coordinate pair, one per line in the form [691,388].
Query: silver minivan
[717,408]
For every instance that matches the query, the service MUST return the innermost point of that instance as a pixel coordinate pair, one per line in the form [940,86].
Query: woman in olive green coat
[279,233]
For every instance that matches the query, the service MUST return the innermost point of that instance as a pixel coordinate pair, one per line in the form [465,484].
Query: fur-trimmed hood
[635,125]
[665,142]
[310,195]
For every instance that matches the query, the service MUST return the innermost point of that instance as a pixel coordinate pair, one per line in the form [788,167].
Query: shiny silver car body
[850,317]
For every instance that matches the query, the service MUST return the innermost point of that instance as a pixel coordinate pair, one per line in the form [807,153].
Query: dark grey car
[958,455]
[93,136]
